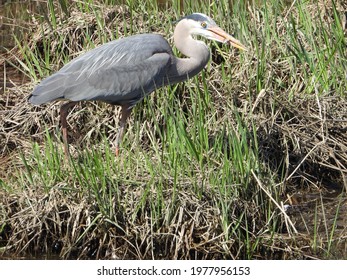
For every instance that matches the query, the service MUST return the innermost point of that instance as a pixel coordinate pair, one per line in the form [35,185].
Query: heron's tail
[34,100]
[50,89]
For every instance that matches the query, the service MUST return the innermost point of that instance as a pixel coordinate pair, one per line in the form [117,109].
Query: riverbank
[245,161]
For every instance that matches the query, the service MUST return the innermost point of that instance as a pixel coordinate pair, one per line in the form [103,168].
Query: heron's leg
[125,113]
[63,115]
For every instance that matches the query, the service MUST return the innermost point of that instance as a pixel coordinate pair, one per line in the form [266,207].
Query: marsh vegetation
[248,160]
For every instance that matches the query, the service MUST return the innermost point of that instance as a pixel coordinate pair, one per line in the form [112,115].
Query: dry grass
[301,146]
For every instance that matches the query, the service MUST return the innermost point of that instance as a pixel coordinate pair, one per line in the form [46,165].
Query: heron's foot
[66,151]
[117,151]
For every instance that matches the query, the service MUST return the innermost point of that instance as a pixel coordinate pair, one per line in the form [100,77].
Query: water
[13,17]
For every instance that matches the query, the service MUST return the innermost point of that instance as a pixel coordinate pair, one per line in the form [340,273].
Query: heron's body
[121,72]
[116,73]
[124,71]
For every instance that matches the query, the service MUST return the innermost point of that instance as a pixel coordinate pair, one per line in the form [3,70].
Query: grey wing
[119,72]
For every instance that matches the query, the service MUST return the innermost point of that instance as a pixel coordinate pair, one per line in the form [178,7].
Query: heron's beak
[220,35]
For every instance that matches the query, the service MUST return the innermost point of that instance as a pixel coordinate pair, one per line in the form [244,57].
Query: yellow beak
[220,35]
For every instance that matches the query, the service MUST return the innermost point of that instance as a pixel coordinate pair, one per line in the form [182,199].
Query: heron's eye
[203,24]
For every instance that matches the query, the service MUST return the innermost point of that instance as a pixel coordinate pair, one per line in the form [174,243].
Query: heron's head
[200,24]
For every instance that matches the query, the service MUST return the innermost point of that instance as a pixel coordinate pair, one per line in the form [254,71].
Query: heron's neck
[196,51]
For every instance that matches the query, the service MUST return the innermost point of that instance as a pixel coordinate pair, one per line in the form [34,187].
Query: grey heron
[122,72]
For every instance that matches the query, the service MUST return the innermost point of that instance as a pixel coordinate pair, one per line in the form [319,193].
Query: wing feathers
[115,72]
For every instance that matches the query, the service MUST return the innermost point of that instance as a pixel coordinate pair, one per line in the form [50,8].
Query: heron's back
[119,72]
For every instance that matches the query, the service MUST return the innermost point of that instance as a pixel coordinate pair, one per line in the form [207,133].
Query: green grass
[191,162]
